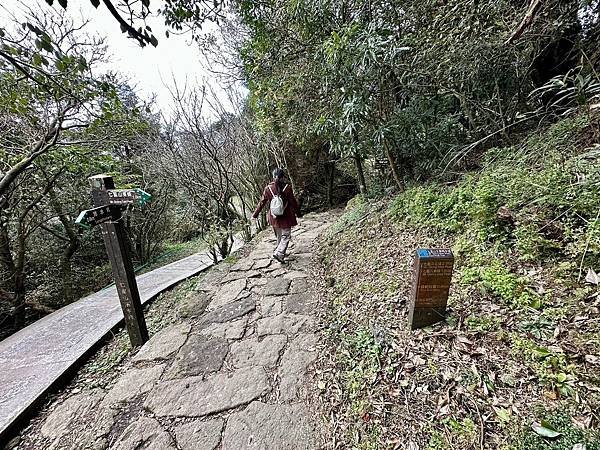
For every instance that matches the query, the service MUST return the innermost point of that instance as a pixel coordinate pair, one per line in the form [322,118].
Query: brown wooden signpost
[432,273]
[109,207]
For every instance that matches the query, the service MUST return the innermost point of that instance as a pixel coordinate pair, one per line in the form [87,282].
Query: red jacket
[288,220]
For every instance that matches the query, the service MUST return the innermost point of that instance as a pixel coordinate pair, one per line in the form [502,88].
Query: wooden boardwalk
[35,359]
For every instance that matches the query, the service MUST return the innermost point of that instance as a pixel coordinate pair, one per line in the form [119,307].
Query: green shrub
[361,357]
[459,434]
[506,285]
[552,369]
[527,439]
[356,209]
[482,323]
[497,280]
[549,189]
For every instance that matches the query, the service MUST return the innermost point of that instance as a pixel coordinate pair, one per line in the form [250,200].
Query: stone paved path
[229,377]
[35,358]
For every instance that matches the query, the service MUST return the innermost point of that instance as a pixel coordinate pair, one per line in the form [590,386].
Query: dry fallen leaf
[418,361]
[582,422]
[444,411]
[412,446]
[592,277]
[464,340]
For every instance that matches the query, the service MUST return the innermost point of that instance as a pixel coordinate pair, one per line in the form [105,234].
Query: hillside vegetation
[520,342]
[348,96]
[459,123]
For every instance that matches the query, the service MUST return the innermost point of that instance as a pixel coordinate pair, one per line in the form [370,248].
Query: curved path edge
[38,358]
[234,371]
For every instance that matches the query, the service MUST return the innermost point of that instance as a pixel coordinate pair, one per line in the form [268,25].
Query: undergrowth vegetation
[521,339]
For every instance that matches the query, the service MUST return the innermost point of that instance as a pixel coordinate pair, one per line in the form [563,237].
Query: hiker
[283,209]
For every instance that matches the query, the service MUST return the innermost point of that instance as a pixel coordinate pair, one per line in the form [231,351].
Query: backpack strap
[285,205]
[282,191]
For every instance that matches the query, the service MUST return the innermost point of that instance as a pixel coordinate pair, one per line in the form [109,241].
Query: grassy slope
[521,342]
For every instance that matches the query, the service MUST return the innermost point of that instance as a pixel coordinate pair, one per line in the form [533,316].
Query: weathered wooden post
[109,206]
[432,273]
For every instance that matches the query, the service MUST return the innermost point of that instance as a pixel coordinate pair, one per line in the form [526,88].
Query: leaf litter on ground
[469,382]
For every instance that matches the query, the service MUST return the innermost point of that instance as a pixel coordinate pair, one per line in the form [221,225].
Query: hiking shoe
[279,258]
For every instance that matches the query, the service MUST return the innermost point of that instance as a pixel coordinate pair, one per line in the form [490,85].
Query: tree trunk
[16,276]
[226,245]
[66,271]
[65,268]
[19,300]
[330,182]
[6,258]
[362,184]
[393,165]
[214,255]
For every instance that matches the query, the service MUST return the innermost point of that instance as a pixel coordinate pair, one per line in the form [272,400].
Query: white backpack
[277,204]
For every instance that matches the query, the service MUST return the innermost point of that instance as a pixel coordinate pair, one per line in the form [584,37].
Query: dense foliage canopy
[417,83]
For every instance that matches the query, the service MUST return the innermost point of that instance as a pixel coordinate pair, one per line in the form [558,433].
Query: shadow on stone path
[229,377]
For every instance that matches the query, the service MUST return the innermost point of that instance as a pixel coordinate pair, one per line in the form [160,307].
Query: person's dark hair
[278,176]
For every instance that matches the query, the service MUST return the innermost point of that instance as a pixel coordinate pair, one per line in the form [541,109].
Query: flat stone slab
[227,330]
[245,293]
[299,286]
[252,352]
[276,271]
[164,343]
[276,286]
[295,274]
[227,293]
[33,359]
[284,324]
[229,312]
[199,356]
[262,263]
[294,365]
[196,397]
[270,306]
[135,382]
[270,427]
[193,305]
[303,248]
[254,283]
[145,433]
[244,265]
[199,435]
[233,276]
[79,422]
[299,303]
[301,261]
[212,279]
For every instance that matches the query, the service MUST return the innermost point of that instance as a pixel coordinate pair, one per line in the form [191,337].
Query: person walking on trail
[283,209]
